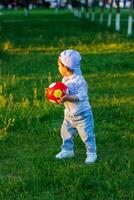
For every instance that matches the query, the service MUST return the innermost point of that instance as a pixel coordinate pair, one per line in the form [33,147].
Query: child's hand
[70,98]
[65,98]
[62,99]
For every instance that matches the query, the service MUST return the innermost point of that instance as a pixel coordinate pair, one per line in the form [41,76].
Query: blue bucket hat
[71,59]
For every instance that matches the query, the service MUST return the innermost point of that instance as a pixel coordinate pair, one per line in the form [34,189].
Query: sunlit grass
[83,48]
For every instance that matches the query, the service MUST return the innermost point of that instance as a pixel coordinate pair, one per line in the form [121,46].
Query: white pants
[82,124]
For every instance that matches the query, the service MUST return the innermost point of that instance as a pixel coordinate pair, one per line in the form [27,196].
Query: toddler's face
[62,69]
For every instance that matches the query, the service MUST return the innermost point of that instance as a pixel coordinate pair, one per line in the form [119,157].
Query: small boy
[78,116]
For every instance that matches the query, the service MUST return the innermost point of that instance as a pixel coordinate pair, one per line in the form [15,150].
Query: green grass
[30,125]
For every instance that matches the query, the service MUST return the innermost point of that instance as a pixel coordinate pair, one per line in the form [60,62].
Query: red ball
[55,91]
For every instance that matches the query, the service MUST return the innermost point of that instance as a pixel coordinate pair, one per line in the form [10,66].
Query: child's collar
[71,76]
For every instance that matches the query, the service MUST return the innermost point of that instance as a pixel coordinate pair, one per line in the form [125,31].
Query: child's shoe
[91,158]
[65,154]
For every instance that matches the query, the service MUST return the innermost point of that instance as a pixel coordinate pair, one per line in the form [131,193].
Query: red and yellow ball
[56,91]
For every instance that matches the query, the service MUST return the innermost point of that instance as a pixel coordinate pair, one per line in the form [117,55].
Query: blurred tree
[87,9]
[93,4]
[110,14]
[130,18]
[26,7]
[102,6]
[117,20]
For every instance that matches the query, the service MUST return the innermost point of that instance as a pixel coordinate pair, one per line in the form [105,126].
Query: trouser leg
[85,129]
[67,133]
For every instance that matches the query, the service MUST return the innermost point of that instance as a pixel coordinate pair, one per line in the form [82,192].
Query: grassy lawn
[30,125]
